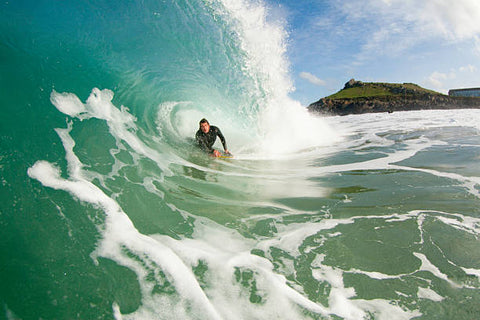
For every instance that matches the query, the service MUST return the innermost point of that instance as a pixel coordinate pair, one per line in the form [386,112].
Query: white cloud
[461,77]
[468,68]
[436,80]
[312,79]
[392,26]
[455,19]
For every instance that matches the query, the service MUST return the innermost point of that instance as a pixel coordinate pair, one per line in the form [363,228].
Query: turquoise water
[109,212]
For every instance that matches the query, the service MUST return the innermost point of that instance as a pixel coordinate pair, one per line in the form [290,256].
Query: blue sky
[434,43]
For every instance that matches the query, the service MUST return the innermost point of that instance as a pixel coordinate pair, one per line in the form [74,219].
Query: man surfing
[206,136]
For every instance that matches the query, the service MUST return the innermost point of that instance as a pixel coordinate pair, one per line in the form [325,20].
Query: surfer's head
[204,125]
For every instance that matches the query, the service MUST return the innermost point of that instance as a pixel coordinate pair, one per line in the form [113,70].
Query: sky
[433,43]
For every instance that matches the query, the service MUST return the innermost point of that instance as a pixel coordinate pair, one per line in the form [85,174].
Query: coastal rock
[358,97]
[352,83]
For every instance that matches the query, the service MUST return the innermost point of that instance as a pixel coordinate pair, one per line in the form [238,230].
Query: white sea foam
[342,304]
[68,103]
[120,122]
[373,125]
[385,310]
[284,126]
[427,293]
[375,275]
[430,267]
[473,272]
[119,233]
[225,251]
[290,237]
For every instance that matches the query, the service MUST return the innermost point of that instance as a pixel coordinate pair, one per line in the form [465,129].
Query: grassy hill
[365,97]
[357,89]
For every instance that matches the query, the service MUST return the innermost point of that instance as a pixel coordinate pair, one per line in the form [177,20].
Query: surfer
[206,136]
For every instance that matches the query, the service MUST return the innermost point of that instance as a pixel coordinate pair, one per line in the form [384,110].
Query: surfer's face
[205,127]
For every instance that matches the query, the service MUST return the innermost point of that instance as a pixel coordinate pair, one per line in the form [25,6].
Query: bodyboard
[226,156]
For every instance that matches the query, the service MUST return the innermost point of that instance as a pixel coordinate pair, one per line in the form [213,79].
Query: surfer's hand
[216,153]
[227,152]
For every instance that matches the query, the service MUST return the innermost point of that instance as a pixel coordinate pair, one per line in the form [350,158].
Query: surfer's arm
[222,139]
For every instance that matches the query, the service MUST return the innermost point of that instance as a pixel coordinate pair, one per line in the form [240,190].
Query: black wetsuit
[206,140]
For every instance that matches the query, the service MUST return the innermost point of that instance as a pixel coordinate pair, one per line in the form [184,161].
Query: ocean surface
[108,210]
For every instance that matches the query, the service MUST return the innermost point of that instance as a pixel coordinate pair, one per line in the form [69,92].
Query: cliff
[366,97]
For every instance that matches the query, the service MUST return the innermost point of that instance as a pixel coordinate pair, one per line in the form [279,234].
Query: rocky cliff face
[397,98]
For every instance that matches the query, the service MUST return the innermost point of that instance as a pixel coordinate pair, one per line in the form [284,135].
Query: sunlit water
[109,211]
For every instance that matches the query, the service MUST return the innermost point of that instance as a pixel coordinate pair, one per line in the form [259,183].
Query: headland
[368,97]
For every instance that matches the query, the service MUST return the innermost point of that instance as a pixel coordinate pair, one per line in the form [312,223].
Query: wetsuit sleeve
[222,139]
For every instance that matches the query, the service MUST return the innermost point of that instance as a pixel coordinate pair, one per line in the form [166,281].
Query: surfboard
[225,156]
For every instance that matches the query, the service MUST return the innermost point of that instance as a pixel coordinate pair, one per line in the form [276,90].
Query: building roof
[465,89]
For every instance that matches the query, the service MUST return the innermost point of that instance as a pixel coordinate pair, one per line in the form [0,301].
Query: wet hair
[204,121]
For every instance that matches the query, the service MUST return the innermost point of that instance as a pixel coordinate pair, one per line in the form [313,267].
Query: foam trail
[119,231]
[426,293]
[68,103]
[474,272]
[341,304]
[225,251]
[120,122]
[430,267]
